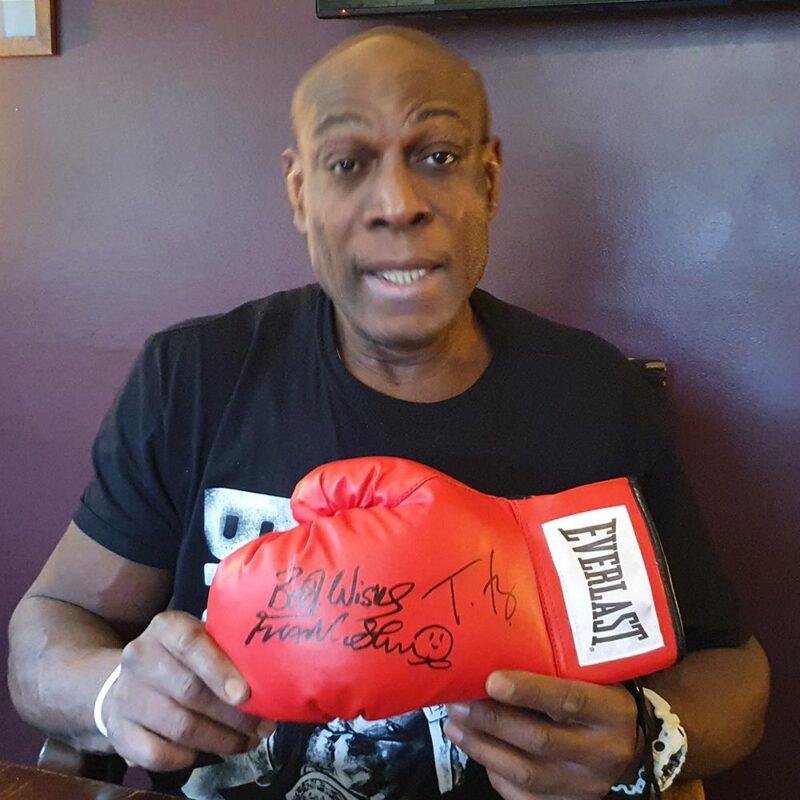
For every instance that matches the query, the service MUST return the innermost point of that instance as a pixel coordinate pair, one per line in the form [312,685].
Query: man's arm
[546,736]
[721,698]
[89,610]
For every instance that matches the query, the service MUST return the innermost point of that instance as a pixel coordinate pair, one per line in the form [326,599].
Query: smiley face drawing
[431,646]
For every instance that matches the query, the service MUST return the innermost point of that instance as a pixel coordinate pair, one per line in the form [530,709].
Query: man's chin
[409,337]
[402,341]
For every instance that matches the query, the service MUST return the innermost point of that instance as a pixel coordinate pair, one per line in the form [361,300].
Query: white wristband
[101,696]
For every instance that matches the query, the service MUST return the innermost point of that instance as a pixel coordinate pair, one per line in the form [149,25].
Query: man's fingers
[145,749]
[527,731]
[186,639]
[169,676]
[531,776]
[183,727]
[174,698]
[508,791]
[562,700]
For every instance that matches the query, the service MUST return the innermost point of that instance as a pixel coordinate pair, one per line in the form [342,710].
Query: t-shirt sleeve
[126,507]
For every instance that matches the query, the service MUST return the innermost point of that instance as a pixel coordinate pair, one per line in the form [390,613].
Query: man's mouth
[400,274]
[402,277]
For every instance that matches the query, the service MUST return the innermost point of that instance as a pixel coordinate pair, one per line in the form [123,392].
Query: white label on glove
[605,585]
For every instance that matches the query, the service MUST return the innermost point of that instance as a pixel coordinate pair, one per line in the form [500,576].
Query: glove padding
[402,588]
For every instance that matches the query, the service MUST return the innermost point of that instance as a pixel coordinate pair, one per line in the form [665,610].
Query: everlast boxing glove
[402,588]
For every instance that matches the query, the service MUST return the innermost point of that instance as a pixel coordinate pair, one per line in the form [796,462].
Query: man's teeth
[403,276]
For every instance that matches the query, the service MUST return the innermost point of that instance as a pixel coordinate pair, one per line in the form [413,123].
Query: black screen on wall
[348,8]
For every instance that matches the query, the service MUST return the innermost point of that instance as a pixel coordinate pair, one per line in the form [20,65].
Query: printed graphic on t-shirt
[344,759]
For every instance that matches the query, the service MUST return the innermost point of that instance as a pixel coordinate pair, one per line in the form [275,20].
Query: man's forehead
[322,119]
[362,102]
[405,104]
[363,82]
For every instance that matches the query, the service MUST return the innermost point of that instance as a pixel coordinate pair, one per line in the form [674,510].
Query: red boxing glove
[402,588]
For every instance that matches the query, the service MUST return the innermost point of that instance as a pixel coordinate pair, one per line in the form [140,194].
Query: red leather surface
[400,588]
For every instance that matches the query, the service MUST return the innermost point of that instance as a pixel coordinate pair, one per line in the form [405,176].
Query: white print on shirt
[344,759]
[448,759]
[257,766]
[233,518]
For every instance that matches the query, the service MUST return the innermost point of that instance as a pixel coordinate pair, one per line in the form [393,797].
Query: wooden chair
[63,758]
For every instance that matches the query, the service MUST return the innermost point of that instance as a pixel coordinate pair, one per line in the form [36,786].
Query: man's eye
[441,158]
[345,166]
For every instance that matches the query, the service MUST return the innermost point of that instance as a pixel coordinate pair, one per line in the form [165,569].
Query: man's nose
[396,201]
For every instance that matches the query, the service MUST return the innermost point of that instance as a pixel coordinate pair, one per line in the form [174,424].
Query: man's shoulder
[528,334]
[273,312]
[217,347]
[222,341]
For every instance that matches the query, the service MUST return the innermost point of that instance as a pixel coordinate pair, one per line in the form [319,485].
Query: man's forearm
[60,654]
[721,697]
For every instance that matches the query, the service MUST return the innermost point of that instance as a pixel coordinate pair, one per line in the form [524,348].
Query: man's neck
[427,372]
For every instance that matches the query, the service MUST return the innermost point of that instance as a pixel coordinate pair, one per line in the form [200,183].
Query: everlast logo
[613,617]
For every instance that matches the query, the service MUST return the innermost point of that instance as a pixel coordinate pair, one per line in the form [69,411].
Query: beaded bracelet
[670,748]
[666,753]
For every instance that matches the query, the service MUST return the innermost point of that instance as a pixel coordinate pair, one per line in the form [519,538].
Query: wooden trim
[42,44]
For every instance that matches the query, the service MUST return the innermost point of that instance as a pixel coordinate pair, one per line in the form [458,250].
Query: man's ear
[493,168]
[294,187]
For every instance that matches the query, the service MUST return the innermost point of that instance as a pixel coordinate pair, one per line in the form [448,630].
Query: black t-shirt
[221,416]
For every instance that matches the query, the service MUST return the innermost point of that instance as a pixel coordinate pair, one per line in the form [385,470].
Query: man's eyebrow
[438,111]
[344,118]
[351,118]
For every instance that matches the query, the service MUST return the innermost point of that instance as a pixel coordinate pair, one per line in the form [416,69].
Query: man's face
[394,188]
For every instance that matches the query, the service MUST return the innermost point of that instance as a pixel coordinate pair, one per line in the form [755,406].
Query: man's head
[394,181]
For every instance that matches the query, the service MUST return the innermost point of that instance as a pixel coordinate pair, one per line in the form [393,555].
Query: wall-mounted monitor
[355,8]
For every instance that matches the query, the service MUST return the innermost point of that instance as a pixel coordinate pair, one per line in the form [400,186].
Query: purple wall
[652,194]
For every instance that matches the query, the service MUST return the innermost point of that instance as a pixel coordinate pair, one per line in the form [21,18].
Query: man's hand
[543,737]
[177,691]
[176,696]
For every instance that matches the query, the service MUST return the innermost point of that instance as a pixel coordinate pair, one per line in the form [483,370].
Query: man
[393,181]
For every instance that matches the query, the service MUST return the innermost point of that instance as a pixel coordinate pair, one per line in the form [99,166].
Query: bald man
[393,181]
